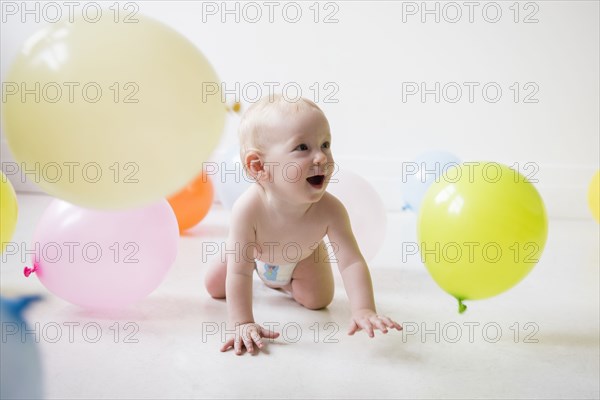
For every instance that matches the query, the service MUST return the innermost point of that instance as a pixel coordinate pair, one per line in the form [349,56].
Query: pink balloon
[365,208]
[104,259]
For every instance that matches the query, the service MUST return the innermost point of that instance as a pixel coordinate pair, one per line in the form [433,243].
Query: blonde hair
[259,117]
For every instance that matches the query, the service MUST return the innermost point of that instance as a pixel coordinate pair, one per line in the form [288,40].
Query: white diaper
[275,275]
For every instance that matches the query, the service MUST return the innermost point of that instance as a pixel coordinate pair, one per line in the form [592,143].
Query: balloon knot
[461,306]
[28,271]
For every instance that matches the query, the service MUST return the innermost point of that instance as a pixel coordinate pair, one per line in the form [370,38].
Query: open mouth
[316,181]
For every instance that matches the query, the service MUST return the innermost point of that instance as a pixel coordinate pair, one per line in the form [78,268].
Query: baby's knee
[214,288]
[315,301]
[215,293]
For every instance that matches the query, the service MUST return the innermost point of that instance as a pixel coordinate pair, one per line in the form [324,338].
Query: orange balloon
[191,204]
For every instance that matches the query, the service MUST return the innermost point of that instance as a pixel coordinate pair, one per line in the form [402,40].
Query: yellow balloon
[594,196]
[9,211]
[481,228]
[112,115]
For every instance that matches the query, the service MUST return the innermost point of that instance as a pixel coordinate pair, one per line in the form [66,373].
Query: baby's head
[285,146]
[256,126]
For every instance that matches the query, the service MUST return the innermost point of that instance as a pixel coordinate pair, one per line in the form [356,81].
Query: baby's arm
[355,273]
[238,285]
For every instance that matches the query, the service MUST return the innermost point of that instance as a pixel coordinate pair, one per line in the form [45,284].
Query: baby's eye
[301,147]
[326,145]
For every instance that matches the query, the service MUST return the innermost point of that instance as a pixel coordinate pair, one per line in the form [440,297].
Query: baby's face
[299,156]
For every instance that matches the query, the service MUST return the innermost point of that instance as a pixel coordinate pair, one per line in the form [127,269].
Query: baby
[279,223]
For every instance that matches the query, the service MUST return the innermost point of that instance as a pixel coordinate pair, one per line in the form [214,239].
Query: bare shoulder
[246,209]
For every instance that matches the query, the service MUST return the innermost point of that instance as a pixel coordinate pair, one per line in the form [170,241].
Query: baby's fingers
[353,328]
[256,339]
[248,343]
[379,324]
[268,334]
[237,345]
[363,323]
[366,325]
[390,323]
[227,345]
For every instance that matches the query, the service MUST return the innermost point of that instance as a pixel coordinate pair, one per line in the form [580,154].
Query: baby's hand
[368,320]
[246,335]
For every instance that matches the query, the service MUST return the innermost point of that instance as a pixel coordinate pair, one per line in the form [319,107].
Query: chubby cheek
[297,170]
[278,169]
[330,168]
[290,173]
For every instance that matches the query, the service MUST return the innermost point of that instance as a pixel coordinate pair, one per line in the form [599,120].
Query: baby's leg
[312,280]
[214,280]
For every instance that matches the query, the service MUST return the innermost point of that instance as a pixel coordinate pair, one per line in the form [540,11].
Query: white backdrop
[518,81]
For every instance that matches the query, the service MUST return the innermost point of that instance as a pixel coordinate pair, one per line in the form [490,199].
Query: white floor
[538,340]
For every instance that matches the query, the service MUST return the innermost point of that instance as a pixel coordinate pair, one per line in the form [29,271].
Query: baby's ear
[255,165]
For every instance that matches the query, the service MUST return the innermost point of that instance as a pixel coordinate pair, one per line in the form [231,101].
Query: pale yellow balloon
[594,196]
[112,115]
[8,211]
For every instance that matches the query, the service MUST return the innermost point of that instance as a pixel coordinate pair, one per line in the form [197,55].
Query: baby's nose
[320,158]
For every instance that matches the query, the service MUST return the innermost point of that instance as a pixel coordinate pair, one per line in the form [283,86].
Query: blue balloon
[420,174]
[231,180]
[20,367]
